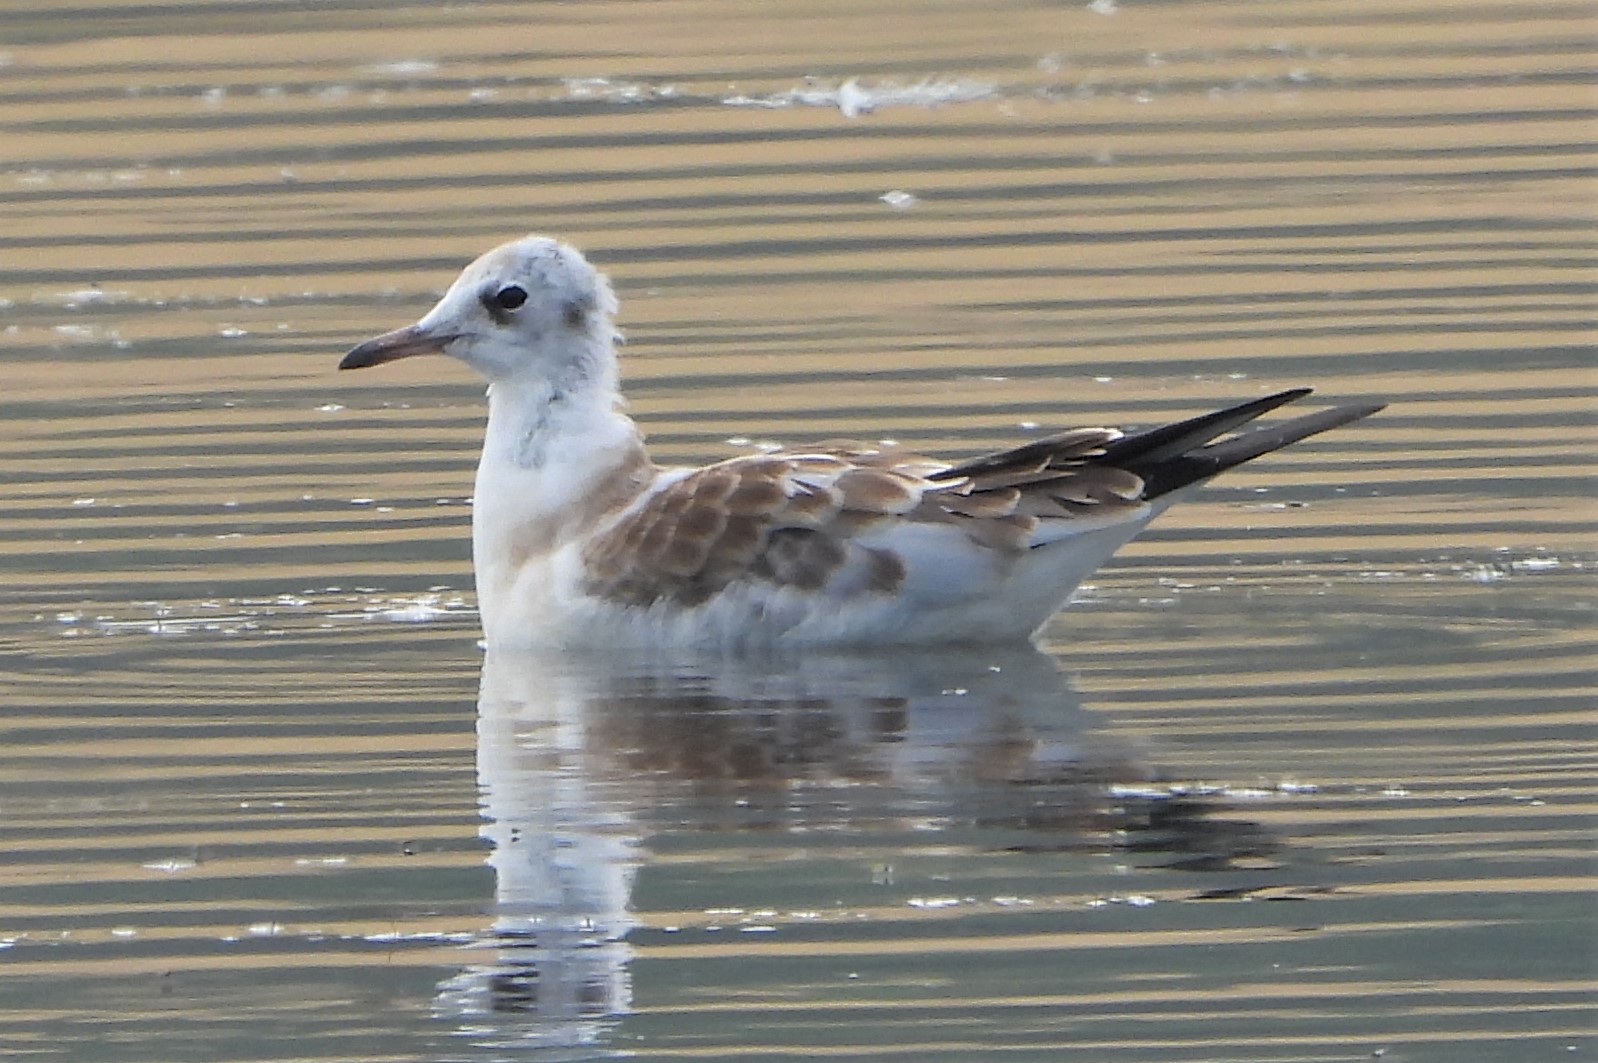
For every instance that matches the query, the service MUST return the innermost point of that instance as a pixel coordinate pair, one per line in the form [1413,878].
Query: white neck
[546,454]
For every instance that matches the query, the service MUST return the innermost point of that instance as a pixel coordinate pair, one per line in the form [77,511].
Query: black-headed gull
[580,539]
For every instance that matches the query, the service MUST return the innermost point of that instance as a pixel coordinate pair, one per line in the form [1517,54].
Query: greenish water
[1307,773]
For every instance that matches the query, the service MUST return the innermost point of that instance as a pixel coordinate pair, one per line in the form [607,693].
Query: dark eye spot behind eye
[510,297]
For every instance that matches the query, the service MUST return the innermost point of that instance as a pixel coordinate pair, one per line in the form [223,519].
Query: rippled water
[1306,775]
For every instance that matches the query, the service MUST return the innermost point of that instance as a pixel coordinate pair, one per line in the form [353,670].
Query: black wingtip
[1173,472]
[1171,440]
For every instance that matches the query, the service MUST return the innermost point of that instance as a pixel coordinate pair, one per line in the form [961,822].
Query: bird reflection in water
[582,759]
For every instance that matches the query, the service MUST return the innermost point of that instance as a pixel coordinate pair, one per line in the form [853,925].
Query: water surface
[1305,775]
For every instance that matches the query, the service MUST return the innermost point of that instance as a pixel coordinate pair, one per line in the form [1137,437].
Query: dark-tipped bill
[401,343]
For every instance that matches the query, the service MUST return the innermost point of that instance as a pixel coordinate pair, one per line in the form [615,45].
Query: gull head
[532,307]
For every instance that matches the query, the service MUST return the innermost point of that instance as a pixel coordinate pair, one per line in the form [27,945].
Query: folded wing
[827,518]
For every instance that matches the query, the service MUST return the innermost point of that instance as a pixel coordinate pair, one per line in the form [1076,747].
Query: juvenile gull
[578,538]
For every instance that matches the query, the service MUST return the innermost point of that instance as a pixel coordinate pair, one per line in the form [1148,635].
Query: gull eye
[510,297]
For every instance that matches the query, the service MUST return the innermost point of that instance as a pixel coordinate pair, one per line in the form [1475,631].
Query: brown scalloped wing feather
[790,519]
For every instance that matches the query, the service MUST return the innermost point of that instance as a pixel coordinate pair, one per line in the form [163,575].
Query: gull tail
[1174,456]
